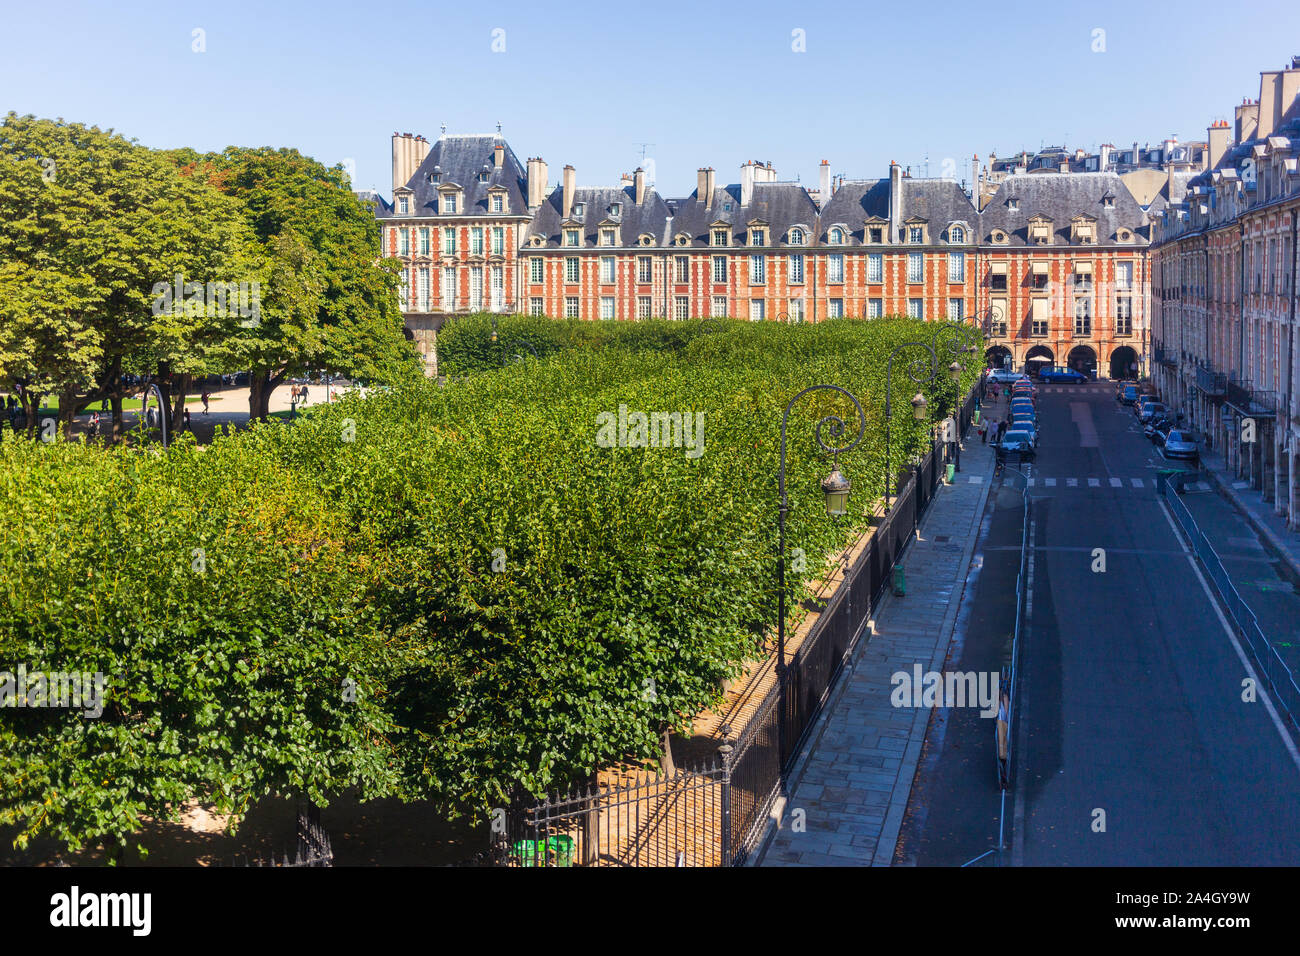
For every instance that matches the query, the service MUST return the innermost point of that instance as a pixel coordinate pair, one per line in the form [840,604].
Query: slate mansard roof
[460,160]
[648,218]
[1061,197]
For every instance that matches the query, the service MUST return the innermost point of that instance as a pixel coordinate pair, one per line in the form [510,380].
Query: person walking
[302,395]
[984,432]
[204,398]
[93,431]
[185,420]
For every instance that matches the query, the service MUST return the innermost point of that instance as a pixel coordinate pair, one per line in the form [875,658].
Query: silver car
[1182,444]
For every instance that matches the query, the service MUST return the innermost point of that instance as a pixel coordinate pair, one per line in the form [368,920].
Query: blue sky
[706,83]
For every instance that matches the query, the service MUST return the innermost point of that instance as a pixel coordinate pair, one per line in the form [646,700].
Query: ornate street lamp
[835,488]
[919,373]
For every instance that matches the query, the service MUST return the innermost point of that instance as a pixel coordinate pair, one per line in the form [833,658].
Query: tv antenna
[643,149]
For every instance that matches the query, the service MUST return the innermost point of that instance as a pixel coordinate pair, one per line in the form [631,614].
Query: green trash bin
[952,473]
[560,850]
[529,852]
[976,419]
[900,580]
[553,851]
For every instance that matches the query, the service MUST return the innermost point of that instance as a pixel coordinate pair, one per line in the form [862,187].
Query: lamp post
[918,372]
[958,341]
[836,489]
[162,410]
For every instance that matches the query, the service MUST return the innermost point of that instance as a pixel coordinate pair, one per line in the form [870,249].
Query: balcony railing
[1211,382]
[1252,401]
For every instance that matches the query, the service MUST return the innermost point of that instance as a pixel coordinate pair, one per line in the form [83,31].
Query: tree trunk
[666,760]
[67,411]
[261,384]
[115,434]
[182,389]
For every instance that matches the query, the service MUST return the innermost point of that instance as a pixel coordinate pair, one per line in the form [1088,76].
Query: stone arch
[1123,363]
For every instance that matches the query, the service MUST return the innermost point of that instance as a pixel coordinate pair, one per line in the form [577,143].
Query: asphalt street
[1134,745]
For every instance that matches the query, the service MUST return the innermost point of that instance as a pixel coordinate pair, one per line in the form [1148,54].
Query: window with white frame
[796,310]
[719,268]
[579,210]
[571,269]
[616,209]
[681,307]
[836,236]
[1123,275]
[424,240]
[758,237]
[404,242]
[424,288]
[498,288]
[681,269]
[719,310]
[570,306]
[956,309]
[796,237]
[535,306]
[404,292]
[999,314]
[915,234]
[719,237]
[643,268]
[915,267]
[449,288]
[835,309]
[498,202]
[606,306]
[757,270]
[449,241]
[449,203]
[1124,315]
[536,270]
[956,267]
[875,308]
[476,288]
[476,241]
[757,310]
[498,240]
[404,205]
[606,269]
[643,307]
[875,267]
[957,235]
[916,308]
[1083,315]
[572,237]
[835,268]
[607,236]
[796,269]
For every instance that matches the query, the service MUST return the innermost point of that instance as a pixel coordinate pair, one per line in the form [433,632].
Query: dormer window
[1108,201]
[646,240]
[1040,231]
[403,205]
[796,237]
[876,234]
[1083,231]
[449,203]
[572,237]
[579,210]
[1013,204]
[719,237]
[999,236]
[1125,235]
[914,234]
[836,237]
[498,203]
[758,237]
[682,239]
[616,209]
[956,235]
[607,237]
[482,176]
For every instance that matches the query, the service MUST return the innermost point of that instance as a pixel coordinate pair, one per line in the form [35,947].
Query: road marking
[1049,482]
[1117,482]
[1094,482]
[1137,482]
[975,479]
[1260,686]
[1072,482]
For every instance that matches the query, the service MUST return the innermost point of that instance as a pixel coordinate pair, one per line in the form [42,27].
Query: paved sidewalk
[1259,512]
[852,782]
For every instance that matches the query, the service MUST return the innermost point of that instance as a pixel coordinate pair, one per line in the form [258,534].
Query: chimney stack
[1217,136]
[1064,167]
[570,184]
[975,179]
[499,155]
[709,186]
[408,153]
[895,201]
[638,180]
[747,183]
[701,185]
[1247,120]
[536,182]
[824,187]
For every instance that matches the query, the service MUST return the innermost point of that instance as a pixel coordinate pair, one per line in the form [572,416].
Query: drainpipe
[1290,373]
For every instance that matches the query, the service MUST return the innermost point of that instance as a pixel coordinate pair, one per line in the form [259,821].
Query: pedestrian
[94,425]
[984,432]
[204,399]
[185,420]
[302,395]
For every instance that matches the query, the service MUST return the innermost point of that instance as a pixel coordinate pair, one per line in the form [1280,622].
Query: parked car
[1016,441]
[1182,444]
[1022,423]
[1024,405]
[1060,374]
[1003,376]
[1128,395]
[1152,410]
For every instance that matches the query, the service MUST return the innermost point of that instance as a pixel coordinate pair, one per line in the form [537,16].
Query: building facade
[1224,272]
[1054,267]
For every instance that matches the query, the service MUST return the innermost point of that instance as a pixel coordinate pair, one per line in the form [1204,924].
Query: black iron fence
[313,843]
[716,815]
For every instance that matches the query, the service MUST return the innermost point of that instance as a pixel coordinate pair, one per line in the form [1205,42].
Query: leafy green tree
[90,225]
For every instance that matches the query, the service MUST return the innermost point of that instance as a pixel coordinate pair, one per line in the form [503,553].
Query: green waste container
[561,848]
[900,580]
[976,419]
[553,851]
[528,852]
[952,472]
